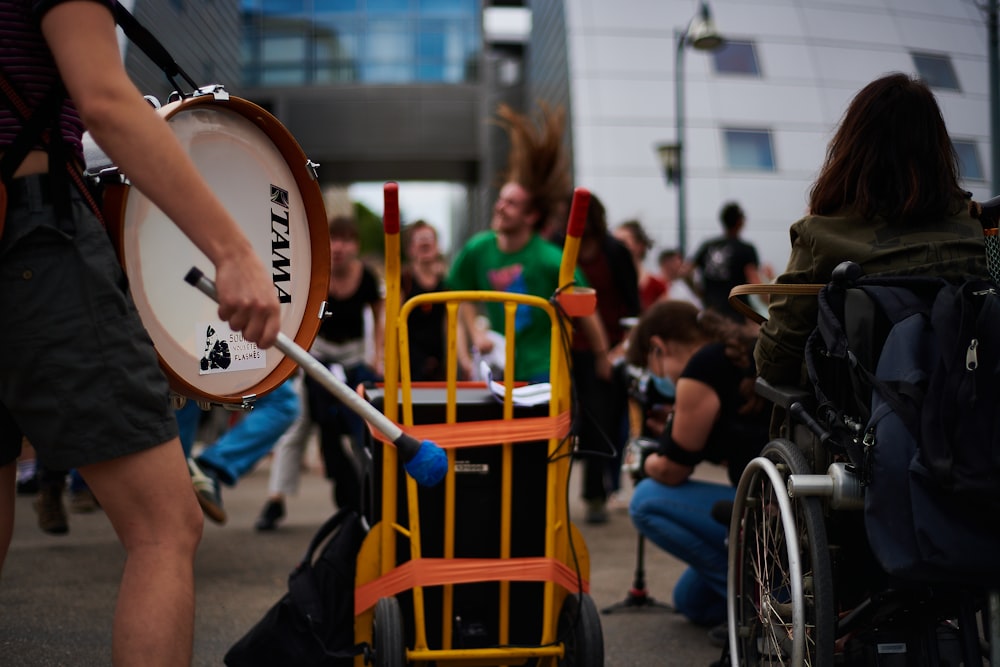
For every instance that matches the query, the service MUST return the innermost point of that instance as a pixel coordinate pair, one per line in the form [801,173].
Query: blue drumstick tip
[429,465]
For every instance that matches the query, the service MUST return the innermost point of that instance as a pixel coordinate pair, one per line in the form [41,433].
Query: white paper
[527,395]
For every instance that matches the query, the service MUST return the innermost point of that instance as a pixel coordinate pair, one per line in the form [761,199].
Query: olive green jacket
[952,249]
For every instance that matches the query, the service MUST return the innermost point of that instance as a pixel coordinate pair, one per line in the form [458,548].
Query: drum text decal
[280,242]
[224,350]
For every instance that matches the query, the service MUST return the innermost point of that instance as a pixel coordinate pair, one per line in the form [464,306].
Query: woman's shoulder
[709,364]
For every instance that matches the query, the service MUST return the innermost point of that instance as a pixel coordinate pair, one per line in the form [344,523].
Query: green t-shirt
[533,270]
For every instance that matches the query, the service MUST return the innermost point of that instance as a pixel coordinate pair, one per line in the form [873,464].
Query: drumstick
[424,461]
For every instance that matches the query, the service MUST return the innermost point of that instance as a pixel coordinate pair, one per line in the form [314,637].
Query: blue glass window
[374,41]
[394,6]
[749,150]
[736,57]
[969,166]
[335,5]
[936,70]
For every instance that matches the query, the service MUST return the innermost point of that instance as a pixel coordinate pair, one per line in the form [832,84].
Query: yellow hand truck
[485,568]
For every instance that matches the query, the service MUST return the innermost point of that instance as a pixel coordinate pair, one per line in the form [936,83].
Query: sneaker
[51,511]
[82,501]
[273,512]
[27,486]
[719,635]
[206,488]
[597,511]
[618,502]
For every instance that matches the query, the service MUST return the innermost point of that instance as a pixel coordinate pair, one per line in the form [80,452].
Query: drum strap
[139,35]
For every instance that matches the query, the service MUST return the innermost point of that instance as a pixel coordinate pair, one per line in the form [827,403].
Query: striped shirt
[27,63]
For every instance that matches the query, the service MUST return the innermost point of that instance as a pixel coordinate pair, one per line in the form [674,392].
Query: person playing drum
[78,375]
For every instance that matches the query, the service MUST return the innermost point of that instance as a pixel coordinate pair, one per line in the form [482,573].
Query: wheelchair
[804,587]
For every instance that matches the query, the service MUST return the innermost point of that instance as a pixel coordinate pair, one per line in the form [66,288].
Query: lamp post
[700,33]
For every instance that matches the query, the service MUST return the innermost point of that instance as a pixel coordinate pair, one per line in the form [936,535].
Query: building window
[371,41]
[936,70]
[736,57]
[969,166]
[749,150]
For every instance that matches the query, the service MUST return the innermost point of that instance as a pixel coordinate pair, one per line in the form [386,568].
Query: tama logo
[280,245]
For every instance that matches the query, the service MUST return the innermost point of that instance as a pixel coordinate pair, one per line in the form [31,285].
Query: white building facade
[760,113]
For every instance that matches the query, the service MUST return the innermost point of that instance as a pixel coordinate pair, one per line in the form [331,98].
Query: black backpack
[313,623]
[907,371]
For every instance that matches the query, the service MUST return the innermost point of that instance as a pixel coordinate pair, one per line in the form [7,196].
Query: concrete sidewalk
[57,594]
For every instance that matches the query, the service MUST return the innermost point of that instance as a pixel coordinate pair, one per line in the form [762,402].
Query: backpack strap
[304,590]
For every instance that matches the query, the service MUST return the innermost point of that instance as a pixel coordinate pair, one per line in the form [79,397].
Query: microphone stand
[638,597]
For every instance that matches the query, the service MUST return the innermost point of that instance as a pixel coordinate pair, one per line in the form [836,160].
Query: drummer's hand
[247,300]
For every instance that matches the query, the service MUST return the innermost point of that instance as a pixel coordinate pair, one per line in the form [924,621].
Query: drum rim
[116,199]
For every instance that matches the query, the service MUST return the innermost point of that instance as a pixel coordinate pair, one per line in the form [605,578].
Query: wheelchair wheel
[388,640]
[579,630]
[780,601]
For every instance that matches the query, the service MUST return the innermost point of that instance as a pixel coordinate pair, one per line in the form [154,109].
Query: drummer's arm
[83,41]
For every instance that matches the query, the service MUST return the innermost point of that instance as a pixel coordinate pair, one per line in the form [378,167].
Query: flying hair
[536,160]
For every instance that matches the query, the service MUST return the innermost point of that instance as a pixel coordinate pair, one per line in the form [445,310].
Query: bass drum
[255,167]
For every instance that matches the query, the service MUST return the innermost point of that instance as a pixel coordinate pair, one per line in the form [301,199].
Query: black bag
[313,623]
[914,363]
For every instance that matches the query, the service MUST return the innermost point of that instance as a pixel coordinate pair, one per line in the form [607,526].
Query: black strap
[304,591]
[34,126]
[151,46]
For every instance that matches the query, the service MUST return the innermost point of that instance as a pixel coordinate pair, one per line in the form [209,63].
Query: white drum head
[248,173]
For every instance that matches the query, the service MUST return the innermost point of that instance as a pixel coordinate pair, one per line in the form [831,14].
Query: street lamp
[700,33]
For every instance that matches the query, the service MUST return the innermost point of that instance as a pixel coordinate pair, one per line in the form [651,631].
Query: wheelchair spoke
[764,611]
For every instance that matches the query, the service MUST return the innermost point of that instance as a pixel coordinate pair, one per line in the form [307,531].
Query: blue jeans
[239,449]
[678,520]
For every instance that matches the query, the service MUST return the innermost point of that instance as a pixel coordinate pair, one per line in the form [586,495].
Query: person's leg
[594,435]
[149,500]
[333,420]
[188,417]
[49,504]
[8,474]
[286,465]
[286,468]
[341,467]
[253,437]
[678,520]
[698,600]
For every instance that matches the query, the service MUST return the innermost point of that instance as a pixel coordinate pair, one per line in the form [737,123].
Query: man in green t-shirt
[512,257]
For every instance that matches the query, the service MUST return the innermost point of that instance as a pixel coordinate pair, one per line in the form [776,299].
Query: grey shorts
[78,373]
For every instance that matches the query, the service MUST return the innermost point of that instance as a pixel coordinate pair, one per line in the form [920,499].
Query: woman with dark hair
[716,418]
[424,273]
[887,198]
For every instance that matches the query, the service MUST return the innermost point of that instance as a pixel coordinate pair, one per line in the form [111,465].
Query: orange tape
[440,571]
[489,432]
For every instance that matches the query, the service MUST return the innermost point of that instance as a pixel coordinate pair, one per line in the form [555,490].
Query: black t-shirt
[426,331]
[723,264]
[734,438]
[347,321]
